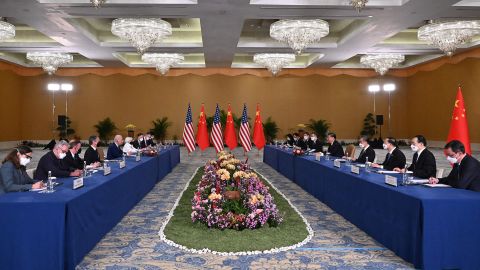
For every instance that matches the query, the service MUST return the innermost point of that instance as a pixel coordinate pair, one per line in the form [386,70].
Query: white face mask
[384,146]
[361,145]
[141,139]
[62,155]
[305,138]
[414,148]
[314,138]
[452,160]
[24,161]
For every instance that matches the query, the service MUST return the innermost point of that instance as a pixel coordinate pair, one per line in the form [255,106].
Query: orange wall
[10,110]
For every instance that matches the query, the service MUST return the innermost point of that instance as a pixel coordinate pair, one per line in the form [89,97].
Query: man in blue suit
[114,150]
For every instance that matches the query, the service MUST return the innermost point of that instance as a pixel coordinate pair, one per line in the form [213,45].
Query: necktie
[387,158]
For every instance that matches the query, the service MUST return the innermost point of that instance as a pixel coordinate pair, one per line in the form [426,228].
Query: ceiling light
[7,30]
[50,61]
[98,3]
[274,61]
[373,88]
[298,34]
[382,62]
[142,33]
[163,61]
[358,4]
[448,36]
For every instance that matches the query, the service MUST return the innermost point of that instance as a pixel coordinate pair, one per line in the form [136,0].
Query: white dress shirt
[128,148]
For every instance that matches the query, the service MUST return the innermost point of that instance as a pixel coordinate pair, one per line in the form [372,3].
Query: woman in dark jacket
[13,175]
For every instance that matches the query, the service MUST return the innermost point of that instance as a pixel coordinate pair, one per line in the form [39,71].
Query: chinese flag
[258,135]
[229,133]
[202,133]
[459,125]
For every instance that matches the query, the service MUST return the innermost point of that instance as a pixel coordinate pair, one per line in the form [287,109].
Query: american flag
[188,139]
[245,131]
[217,131]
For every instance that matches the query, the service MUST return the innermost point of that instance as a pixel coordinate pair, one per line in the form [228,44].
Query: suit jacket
[365,154]
[336,149]
[73,162]
[301,144]
[465,175]
[395,160]
[423,166]
[14,179]
[114,151]
[91,156]
[49,162]
[139,145]
[150,143]
[316,145]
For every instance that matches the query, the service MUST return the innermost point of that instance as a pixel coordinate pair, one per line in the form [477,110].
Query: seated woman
[128,148]
[13,175]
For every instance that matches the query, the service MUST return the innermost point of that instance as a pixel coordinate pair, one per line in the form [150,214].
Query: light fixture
[50,61]
[274,62]
[389,87]
[448,36]
[163,61]
[142,33]
[298,34]
[67,87]
[358,4]
[7,30]
[373,88]
[53,87]
[382,62]
[98,3]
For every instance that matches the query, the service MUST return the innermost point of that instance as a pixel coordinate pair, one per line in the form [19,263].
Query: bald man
[114,150]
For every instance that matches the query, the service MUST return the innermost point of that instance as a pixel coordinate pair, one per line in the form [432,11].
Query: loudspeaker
[379,120]
[62,120]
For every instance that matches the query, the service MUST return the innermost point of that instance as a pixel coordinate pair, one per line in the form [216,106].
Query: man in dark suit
[149,139]
[367,154]
[423,164]
[466,169]
[314,143]
[395,158]
[335,148]
[53,162]
[114,150]
[299,143]
[91,156]
[72,160]
[139,143]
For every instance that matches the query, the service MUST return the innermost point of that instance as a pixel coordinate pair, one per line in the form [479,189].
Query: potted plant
[105,129]
[160,127]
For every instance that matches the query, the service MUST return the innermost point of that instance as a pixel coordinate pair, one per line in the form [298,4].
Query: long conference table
[433,228]
[56,230]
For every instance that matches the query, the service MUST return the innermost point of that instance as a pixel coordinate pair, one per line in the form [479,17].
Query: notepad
[38,189]
[419,181]
[437,185]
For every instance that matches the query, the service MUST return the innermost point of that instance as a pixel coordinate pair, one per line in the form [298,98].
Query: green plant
[369,127]
[105,129]
[270,129]
[160,127]
[175,139]
[64,130]
[320,127]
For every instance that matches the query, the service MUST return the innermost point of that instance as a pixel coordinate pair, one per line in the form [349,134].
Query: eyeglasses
[27,156]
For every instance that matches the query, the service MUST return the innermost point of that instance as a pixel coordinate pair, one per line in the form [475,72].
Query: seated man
[91,156]
[423,162]
[114,150]
[394,158]
[72,159]
[314,143]
[139,143]
[149,139]
[53,162]
[335,148]
[298,142]
[466,169]
[367,154]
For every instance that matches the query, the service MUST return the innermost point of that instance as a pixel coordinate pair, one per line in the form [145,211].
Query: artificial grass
[181,230]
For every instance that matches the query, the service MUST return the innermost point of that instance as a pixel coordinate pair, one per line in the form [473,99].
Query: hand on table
[38,185]
[375,165]
[433,180]
[76,173]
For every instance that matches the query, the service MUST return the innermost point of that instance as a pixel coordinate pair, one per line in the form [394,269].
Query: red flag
[258,135]
[459,125]
[202,133]
[229,133]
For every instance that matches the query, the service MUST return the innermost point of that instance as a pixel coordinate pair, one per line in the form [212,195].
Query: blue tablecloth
[55,231]
[433,228]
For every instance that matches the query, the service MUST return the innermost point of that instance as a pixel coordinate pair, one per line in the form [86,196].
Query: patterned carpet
[134,243]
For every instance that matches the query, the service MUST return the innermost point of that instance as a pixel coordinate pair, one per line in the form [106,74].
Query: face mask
[24,161]
[141,139]
[452,160]
[414,148]
[305,138]
[385,146]
[314,138]
[62,155]
[361,145]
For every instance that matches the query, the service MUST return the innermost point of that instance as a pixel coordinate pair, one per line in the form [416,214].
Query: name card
[391,180]
[107,170]
[122,164]
[137,158]
[336,163]
[355,169]
[78,183]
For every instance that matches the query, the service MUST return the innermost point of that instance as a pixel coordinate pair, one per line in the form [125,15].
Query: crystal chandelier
[298,34]
[163,61]
[448,36]
[142,33]
[50,61]
[7,30]
[274,62]
[382,62]
[98,3]
[358,4]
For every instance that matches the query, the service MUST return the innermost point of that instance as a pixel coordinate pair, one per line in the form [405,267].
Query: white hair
[128,139]
[60,144]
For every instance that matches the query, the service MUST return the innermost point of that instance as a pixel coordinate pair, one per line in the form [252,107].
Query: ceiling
[227,33]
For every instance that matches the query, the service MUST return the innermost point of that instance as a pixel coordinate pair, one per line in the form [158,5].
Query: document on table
[38,189]
[419,181]
[392,172]
[437,185]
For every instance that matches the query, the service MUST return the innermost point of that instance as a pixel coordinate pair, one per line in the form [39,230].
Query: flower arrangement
[231,196]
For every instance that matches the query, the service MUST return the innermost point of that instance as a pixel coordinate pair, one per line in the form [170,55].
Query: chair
[350,151]
[101,154]
[439,173]
[31,172]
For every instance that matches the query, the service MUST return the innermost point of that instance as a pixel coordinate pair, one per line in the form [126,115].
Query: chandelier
[142,33]
[448,36]
[50,61]
[98,3]
[7,30]
[382,62]
[298,34]
[358,4]
[274,62]
[163,61]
